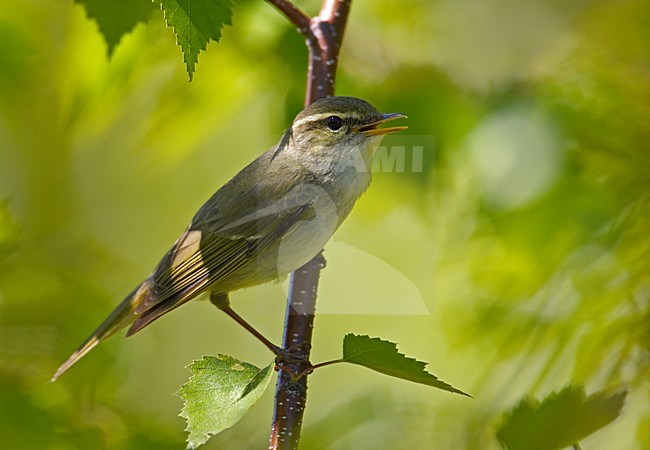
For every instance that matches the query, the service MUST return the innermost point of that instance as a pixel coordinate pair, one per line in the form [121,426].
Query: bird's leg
[222,302]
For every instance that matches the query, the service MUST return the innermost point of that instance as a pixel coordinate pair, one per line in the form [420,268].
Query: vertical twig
[324,34]
[328,29]
[290,394]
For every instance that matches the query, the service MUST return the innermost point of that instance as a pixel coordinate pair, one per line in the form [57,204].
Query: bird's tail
[119,318]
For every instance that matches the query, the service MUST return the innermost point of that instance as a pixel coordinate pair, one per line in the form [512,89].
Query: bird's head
[335,122]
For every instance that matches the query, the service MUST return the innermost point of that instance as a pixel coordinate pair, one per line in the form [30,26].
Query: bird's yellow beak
[371,129]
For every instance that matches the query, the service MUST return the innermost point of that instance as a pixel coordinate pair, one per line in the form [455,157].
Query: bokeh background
[515,262]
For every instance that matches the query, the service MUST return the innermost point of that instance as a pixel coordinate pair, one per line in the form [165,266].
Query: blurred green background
[515,262]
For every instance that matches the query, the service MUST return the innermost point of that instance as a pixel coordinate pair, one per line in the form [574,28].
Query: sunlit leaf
[560,420]
[382,356]
[117,17]
[219,392]
[195,23]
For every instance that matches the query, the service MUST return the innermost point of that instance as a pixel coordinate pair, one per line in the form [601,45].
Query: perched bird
[268,220]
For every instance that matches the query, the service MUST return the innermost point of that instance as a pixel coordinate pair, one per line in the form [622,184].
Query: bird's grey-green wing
[216,245]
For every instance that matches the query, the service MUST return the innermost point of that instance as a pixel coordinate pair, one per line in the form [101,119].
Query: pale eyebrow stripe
[321,116]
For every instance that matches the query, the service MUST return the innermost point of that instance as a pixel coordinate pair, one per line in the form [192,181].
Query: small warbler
[270,219]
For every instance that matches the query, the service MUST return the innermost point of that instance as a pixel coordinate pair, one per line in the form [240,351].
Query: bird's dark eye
[334,123]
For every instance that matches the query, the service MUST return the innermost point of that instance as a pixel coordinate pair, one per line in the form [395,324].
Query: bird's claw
[296,355]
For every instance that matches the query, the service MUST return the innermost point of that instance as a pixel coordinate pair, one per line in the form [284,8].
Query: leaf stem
[308,370]
[327,363]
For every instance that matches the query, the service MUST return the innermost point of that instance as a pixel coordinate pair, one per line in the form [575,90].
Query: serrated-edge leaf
[117,18]
[561,419]
[382,356]
[195,23]
[218,394]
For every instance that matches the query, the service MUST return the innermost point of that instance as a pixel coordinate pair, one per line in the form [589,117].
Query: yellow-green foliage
[516,262]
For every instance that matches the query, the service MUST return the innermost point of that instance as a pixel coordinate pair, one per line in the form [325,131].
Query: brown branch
[293,14]
[328,29]
[291,393]
[324,36]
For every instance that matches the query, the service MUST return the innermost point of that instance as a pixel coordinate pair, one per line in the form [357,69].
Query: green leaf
[560,420]
[219,392]
[195,22]
[117,17]
[382,356]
